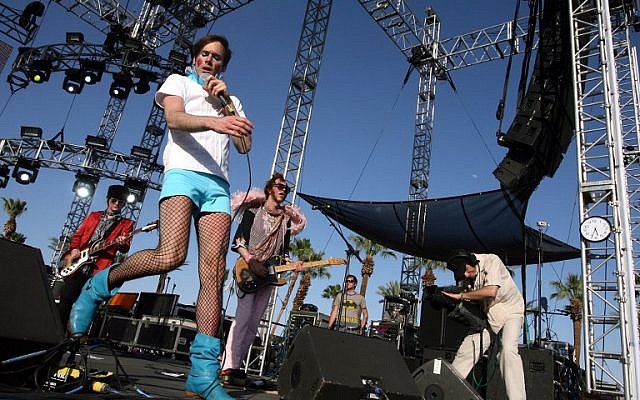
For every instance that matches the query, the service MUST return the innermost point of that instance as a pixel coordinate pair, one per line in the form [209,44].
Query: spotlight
[177,58]
[91,71]
[142,86]
[85,185]
[28,16]
[4,176]
[73,82]
[121,86]
[137,188]
[30,132]
[25,171]
[40,71]
[75,38]
[154,130]
[96,142]
[141,152]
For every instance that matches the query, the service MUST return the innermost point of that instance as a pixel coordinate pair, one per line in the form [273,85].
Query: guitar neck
[112,242]
[291,267]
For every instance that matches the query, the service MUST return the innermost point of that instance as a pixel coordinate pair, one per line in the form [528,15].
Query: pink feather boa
[256,198]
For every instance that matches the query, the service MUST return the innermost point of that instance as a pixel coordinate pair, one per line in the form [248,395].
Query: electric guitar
[87,255]
[249,282]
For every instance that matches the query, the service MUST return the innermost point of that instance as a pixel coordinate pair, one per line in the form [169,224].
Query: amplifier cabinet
[171,335]
[118,328]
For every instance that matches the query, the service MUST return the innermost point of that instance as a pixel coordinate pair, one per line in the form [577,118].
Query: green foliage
[331,291]
[391,289]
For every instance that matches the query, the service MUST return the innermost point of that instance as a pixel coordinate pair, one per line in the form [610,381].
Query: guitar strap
[106,230]
[284,251]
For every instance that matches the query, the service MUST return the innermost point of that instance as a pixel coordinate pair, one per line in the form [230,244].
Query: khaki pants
[510,361]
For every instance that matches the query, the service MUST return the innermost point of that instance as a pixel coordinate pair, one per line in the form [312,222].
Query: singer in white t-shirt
[201,117]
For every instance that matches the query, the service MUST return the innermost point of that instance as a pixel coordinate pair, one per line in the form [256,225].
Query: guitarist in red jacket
[98,227]
[264,231]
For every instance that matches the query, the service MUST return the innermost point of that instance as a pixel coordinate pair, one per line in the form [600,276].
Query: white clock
[595,229]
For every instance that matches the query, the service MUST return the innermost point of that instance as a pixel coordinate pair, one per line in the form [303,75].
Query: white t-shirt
[508,302]
[206,151]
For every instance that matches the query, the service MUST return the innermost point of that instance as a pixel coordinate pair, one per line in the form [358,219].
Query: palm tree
[16,237]
[371,250]
[307,276]
[391,289]
[13,208]
[429,278]
[301,249]
[331,291]
[571,289]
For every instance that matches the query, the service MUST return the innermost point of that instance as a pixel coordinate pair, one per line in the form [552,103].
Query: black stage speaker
[30,321]
[329,365]
[437,330]
[27,310]
[437,380]
[155,304]
[538,366]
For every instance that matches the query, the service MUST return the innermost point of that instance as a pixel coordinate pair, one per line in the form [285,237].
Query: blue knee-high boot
[94,292]
[203,380]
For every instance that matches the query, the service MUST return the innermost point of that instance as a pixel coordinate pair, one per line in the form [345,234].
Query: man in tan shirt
[504,305]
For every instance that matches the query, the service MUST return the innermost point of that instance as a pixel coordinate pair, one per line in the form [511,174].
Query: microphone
[224,99]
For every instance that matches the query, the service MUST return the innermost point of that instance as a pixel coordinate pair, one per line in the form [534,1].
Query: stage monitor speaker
[437,380]
[28,312]
[324,364]
[155,304]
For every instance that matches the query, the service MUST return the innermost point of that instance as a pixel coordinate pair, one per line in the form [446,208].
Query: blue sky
[359,102]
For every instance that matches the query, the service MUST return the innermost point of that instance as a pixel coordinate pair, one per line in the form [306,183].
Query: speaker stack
[324,364]
[30,320]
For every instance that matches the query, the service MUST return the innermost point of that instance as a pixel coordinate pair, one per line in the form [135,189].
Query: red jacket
[81,238]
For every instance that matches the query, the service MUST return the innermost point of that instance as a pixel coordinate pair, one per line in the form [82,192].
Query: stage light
[75,38]
[73,82]
[96,142]
[141,152]
[40,71]
[142,86]
[29,14]
[177,58]
[121,86]
[30,132]
[4,176]
[137,188]
[91,71]
[85,185]
[154,130]
[25,171]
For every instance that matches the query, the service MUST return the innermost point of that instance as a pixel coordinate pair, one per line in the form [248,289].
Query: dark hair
[276,176]
[352,276]
[119,192]
[197,46]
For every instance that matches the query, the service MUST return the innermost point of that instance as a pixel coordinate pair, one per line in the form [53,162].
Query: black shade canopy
[488,222]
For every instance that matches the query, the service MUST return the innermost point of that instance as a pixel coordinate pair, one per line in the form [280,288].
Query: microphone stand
[350,251]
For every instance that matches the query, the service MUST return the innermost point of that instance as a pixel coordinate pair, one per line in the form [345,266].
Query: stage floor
[143,376]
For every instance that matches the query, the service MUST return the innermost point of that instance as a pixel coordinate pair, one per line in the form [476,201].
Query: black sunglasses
[281,186]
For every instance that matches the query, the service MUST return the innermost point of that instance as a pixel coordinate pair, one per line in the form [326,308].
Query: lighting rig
[20,25]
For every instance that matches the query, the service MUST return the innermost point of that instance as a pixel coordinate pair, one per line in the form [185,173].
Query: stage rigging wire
[366,163]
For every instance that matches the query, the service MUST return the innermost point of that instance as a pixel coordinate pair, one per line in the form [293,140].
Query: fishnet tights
[213,241]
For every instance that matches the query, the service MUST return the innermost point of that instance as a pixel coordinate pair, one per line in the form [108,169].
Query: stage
[140,376]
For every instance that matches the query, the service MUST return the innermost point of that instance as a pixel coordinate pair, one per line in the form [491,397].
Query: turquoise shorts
[208,192]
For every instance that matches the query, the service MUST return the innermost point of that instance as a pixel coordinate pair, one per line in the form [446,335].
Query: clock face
[595,229]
